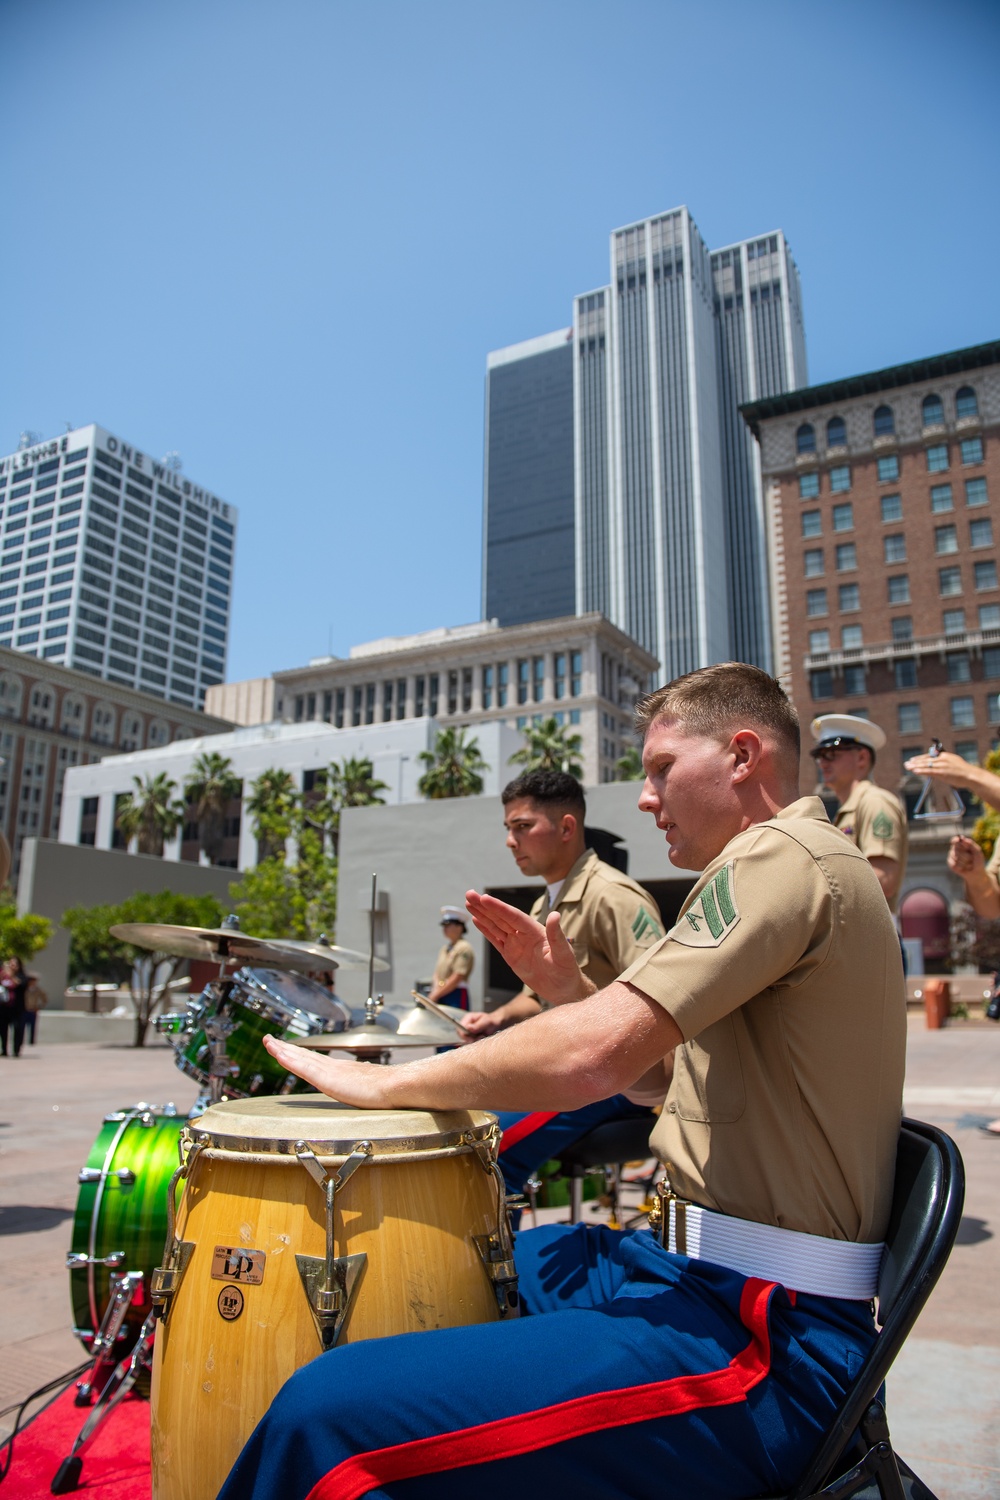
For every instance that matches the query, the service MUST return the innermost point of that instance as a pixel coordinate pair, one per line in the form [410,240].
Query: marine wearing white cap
[455,960]
[873,818]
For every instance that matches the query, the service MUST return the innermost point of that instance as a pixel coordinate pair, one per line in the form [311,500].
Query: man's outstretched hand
[540,956]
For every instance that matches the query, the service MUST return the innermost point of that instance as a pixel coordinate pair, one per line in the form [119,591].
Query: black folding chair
[610,1146]
[856,1458]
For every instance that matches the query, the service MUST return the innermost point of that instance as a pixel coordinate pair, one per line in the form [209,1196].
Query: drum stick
[437,1010]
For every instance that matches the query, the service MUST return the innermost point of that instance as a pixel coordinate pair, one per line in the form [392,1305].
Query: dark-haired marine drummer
[779,994]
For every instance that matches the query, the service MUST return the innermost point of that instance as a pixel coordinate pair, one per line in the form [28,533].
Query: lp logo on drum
[230,1303]
[232,1263]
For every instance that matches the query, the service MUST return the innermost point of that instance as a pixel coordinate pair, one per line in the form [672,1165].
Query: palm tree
[150,814]
[454,767]
[352,784]
[211,786]
[628,766]
[549,746]
[273,802]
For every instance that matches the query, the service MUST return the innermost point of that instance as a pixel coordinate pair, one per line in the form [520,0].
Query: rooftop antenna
[28,439]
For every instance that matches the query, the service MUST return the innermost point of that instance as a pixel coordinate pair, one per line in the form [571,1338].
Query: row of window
[942,500]
[898,588]
[938,458]
[894,548]
[884,420]
[909,716]
[953,622]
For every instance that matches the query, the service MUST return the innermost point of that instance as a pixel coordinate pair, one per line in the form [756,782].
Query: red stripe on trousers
[527,1125]
[510,1436]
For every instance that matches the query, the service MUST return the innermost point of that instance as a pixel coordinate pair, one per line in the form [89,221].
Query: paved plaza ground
[944,1392]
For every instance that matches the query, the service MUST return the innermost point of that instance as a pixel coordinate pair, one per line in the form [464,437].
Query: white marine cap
[454,914]
[833,730]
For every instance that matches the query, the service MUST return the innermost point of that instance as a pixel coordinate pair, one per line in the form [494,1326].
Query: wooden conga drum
[305,1224]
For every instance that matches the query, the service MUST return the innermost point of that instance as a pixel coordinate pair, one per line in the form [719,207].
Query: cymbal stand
[218,1027]
[373,1004]
[119,1383]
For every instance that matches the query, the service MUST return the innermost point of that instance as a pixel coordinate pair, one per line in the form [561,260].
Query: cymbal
[364,1039]
[214,943]
[329,955]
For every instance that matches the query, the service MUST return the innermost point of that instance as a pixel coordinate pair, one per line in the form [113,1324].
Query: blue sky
[281,239]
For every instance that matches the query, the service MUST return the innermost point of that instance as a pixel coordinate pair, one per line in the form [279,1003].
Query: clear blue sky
[282,238]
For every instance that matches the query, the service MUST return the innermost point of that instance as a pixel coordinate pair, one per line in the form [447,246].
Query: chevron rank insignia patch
[710,919]
[645,927]
[882,826]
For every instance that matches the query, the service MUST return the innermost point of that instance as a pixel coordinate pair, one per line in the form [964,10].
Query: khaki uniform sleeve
[462,959]
[623,924]
[763,916]
[880,827]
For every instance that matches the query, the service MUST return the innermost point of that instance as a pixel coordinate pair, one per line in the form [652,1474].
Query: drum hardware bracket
[166,1279]
[331,1282]
[119,1383]
[125,1175]
[496,1250]
[126,1288]
[76,1259]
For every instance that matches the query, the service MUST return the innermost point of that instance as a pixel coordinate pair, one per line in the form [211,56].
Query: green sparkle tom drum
[256,1003]
[120,1222]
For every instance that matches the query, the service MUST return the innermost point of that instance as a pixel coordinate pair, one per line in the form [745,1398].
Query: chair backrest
[927,1199]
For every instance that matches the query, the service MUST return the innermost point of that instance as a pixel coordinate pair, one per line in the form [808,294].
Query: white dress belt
[801,1262]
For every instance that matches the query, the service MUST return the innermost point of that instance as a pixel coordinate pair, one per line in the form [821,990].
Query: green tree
[352,784]
[628,766]
[94,954]
[987,828]
[274,805]
[290,899]
[21,937]
[549,746]
[210,787]
[151,814]
[454,767]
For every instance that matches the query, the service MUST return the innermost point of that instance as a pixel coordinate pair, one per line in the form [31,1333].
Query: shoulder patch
[709,920]
[645,927]
[882,826]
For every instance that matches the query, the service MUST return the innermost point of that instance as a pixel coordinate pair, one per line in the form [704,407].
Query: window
[559,674]
[888,468]
[962,713]
[958,666]
[854,682]
[991,661]
[989,617]
[847,557]
[836,433]
[975,492]
[537,679]
[848,596]
[932,411]
[981,533]
[843,517]
[937,458]
[905,672]
[940,498]
[840,479]
[819,641]
[486,687]
[985,575]
[993,707]
[892,507]
[908,718]
[945,540]
[821,683]
[894,547]
[972,450]
[808,486]
[805,439]
[523,679]
[968,750]
[954,621]
[576,679]
[884,421]
[966,404]
[812,524]
[851,637]
[816,602]
[902,628]
[899,589]
[813,562]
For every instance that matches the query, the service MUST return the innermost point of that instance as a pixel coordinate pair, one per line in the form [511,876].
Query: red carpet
[115,1465]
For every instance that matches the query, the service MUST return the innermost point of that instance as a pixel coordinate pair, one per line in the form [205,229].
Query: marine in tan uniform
[455,961]
[780,991]
[872,817]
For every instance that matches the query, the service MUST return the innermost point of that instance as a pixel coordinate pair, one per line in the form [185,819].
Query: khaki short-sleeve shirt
[875,820]
[454,958]
[783,973]
[608,919]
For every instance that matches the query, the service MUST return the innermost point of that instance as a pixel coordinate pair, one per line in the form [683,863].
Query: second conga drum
[302,1225]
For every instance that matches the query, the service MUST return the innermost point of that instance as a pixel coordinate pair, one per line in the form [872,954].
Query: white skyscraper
[115,564]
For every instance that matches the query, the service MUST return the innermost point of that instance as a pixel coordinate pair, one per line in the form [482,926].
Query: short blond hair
[717,701]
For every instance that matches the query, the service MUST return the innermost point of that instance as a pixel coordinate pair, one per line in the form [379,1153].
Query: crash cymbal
[215,943]
[364,1039]
[329,955]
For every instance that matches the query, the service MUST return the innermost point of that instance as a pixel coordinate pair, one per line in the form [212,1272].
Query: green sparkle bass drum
[120,1226]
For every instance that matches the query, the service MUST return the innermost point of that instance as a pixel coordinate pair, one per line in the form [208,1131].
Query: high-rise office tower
[115,564]
[528,492]
[668,521]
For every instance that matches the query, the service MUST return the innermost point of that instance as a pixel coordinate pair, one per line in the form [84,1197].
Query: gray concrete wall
[429,854]
[56,876]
